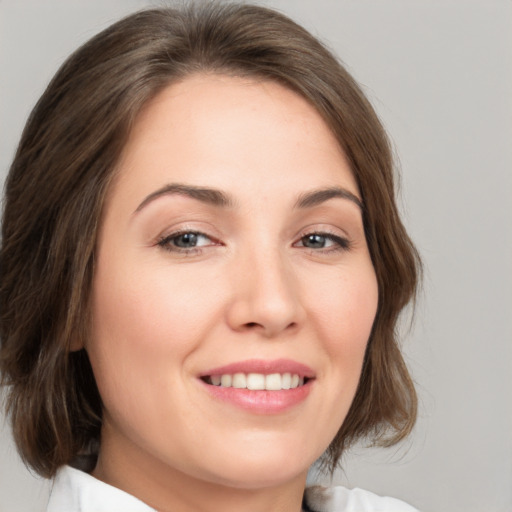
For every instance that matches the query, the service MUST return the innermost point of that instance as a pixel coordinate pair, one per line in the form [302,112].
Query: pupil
[314,241]
[186,240]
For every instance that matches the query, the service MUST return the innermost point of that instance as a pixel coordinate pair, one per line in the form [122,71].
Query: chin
[251,477]
[268,468]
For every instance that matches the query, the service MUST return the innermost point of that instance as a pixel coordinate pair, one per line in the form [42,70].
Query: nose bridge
[265,294]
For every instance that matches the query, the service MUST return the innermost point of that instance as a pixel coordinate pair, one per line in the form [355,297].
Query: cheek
[345,312]
[143,327]
[344,306]
[149,309]
[142,334]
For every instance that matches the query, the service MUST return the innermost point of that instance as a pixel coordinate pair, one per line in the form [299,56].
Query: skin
[254,287]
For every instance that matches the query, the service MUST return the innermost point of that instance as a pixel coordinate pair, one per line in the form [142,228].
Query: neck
[167,489]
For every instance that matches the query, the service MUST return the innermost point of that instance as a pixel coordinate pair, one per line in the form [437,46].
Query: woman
[202,267]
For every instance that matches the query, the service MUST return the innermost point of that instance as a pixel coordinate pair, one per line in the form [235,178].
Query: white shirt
[76,491]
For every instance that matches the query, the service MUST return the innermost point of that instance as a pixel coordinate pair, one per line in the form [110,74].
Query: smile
[257,381]
[260,386]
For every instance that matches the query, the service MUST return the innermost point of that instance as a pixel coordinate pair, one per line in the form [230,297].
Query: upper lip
[265,367]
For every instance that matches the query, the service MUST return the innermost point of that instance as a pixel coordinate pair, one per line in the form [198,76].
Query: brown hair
[57,184]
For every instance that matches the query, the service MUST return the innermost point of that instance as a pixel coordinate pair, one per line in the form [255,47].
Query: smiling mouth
[257,381]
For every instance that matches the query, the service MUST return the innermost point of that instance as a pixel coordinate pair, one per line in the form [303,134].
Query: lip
[261,402]
[265,367]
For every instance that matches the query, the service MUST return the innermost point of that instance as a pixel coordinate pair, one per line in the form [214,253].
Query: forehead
[218,130]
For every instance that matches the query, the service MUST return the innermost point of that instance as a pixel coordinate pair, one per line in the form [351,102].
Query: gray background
[440,74]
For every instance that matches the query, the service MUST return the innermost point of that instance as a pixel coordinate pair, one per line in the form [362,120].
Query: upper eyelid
[322,229]
[327,234]
[179,229]
[340,242]
[180,232]
[219,237]
[334,237]
[301,234]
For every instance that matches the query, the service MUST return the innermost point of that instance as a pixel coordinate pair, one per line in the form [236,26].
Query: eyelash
[340,243]
[166,242]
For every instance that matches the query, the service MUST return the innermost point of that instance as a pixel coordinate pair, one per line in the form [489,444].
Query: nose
[265,296]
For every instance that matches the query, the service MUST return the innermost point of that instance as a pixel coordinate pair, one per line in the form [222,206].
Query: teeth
[257,381]
[286,381]
[274,382]
[225,381]
[239,380]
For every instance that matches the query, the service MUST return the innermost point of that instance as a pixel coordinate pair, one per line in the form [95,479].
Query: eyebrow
[316,197]
[218,198]
[205,195]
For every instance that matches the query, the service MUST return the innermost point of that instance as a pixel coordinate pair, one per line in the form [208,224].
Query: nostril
[256,326]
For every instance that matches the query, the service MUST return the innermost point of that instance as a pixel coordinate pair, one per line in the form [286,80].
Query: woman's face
[231,256]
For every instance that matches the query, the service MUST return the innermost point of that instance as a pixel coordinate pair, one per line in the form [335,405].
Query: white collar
[76,491]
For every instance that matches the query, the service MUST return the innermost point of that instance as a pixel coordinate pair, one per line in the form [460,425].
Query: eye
[318,241]
[185,241]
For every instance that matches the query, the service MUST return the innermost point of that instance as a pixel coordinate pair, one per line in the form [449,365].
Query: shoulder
[341,499]
[76,491]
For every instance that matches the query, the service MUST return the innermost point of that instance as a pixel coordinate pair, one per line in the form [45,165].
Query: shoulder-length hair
[61,173]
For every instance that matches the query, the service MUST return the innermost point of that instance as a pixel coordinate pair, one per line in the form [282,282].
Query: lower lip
[261,402]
